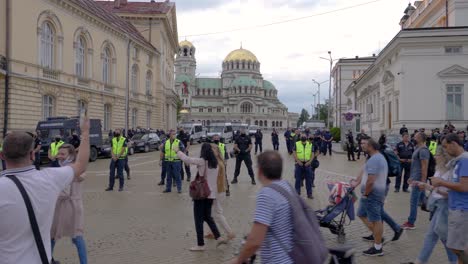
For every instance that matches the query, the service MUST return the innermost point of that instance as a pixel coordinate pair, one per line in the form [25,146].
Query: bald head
[17,147]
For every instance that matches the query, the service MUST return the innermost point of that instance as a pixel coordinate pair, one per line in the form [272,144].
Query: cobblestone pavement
[143,225]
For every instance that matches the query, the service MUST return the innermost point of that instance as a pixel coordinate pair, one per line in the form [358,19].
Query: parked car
[146,142]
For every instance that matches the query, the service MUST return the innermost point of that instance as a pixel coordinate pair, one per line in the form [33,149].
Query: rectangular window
[134,118]
[453,49]
[107,117]
[201,110]
[219,110]
[47,106]
[454,102]
[210,110]
[148,119]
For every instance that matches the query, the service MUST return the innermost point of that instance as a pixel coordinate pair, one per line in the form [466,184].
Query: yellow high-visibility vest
[169,153]
[304,152]
[54,147]
[117,145]
[222,149]
[433,147]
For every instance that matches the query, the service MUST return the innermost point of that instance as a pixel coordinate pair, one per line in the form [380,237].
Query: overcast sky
[289,53]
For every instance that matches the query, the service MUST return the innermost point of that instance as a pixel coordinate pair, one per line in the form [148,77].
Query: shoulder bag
[199,188]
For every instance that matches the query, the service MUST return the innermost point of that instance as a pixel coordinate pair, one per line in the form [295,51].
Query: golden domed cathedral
[240,95]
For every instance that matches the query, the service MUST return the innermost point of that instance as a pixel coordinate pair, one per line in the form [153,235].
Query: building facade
[240,95]
[69,55]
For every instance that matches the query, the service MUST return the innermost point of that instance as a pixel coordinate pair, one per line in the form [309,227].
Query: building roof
[143,8]
[186,43]
[241,54]
[209,83]
[268,85]
[244,81]
[183,78]
[118,23]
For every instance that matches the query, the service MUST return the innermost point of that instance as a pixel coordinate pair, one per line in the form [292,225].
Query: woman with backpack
[68,218]
[207,166]
[438,204]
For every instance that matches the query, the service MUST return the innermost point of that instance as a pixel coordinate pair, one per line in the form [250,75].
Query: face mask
[65,162]
[303,138]
[216,141]
[57,139]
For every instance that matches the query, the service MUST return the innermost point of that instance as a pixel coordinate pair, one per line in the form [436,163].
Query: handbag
[199,188]
[32,220]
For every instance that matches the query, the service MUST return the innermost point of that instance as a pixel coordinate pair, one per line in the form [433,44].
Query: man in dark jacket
[275,139]
[258,141]
[350,145]
[403,130]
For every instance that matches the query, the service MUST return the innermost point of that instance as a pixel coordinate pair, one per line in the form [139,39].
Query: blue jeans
[173,171]
[431,240]
[119,164]
[300,173]
[416,196]
[80,247]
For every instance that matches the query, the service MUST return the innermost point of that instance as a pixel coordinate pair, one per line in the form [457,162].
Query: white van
[224,130]
[195,130]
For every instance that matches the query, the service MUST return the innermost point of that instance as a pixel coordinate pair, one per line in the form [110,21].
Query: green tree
[303,117]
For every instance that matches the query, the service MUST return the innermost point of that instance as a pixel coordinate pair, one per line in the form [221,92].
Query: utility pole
[318,92]
[330,59]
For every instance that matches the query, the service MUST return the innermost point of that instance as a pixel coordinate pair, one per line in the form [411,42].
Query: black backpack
[431,168]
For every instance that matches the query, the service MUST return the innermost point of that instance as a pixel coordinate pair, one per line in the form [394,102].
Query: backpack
[308,244]
[431,167]
[393,162]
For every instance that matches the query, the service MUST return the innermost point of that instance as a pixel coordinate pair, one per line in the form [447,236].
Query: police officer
[317,141]
[403,130]
[258,141]
[350,145]
[162,162]
[243,146]
[359,138]
[275,139]
[53,150]
[185,139]
[287,137]
[119,154]
[327,142]
[404,151]
[225,155]
[303,167]
[173,163]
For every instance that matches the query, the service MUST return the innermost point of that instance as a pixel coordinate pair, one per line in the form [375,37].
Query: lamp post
[330,59]
[318,92]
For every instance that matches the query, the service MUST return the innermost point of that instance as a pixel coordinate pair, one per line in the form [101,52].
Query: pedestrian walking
[23,187]
[303,155]
[173,163]
[350,145]
[68,217]
[53,150]
[404,150]
[207,166]
[275,139]
[185,139]
[373,180]
[242,148]
[258,141]
[419,169]
[119,153]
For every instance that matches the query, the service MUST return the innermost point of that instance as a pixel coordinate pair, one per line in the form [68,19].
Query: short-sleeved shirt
[243,142]
[421,153]
[376,165]
[459,200]
[405,151]
[17,243]
[274,211]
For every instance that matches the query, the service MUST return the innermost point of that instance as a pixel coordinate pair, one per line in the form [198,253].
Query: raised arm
[188,160]
[79,167]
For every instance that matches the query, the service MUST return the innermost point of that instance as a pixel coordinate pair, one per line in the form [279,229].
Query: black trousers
[258,144]
[187,170]
[275,145]
[202,213]
[350,149]
[248,162]
[405,169]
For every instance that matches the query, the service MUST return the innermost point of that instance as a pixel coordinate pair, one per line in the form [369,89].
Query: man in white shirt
[17,244]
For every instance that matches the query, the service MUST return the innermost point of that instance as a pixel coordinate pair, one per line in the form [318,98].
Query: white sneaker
[197,248]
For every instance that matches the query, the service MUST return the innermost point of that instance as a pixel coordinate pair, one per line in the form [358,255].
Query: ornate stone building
[240,95]
[66,55]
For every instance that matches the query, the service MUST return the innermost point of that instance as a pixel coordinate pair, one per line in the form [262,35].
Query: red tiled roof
[115,21]
[138,7]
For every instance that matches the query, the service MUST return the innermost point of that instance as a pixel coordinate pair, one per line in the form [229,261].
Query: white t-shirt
[17,244]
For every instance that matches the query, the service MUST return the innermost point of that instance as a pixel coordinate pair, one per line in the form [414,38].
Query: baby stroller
[341,200]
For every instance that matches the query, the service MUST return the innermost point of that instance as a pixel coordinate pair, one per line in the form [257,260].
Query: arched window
[134,78]
[256,122]
[246,108]
[198,91]
[107,117]
[209,92]
[80,57]
[149,81]
[265,123]
[261,123]
[47,106]
[281,123]
[47,45]
[107,66]
[134,118]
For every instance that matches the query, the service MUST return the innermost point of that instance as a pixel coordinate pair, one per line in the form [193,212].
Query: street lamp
[318,84]
[330,59]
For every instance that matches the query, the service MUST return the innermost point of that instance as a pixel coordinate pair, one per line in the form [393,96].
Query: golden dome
[186,43]
[241,54]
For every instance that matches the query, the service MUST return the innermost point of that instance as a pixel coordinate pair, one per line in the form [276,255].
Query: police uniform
[258,141]
[173,164]
[275,140]
[433,147]
[185,138]
[404,152]
[119,144]
[54,149]
[326,143]
[243,142]
[359,138]
[287,136]
[304,155]
[350,146]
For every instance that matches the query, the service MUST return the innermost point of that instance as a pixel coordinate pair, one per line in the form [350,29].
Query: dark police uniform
[275,140]
[350,146]
[258,141]
[287,136]
[359,138]
[243,142]
[327,144]
[185,138]
[404,152]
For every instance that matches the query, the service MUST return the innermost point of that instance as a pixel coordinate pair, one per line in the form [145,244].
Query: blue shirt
[327,136]
[376,165]
[459,200]
[274,211]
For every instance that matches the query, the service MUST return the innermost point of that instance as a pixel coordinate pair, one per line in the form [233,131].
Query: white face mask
[65,162]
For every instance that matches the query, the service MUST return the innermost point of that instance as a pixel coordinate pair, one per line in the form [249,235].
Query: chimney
[116,3]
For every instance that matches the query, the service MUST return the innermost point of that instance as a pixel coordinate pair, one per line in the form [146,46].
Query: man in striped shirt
[272,231]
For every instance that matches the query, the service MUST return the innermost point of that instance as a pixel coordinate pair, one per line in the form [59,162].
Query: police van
[195,130]
[65,127]
[224,130]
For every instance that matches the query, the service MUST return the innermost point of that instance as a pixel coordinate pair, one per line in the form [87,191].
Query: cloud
[190,5]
